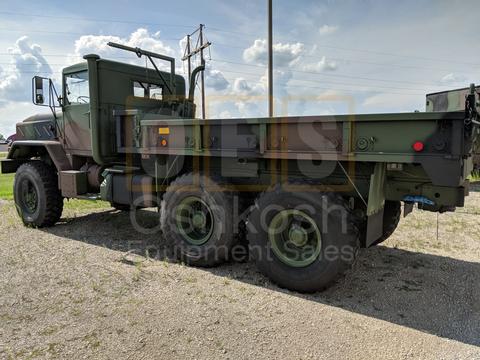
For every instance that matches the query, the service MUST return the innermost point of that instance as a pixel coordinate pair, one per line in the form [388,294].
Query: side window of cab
[76,88]
[146,90]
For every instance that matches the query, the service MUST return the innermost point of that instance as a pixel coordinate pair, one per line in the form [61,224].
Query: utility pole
[270,59]
[189,62]
[203,72]
[200,47]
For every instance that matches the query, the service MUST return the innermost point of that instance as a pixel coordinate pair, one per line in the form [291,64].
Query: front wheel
[37,197]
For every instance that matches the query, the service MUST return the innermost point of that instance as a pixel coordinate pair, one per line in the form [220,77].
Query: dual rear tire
[302,241]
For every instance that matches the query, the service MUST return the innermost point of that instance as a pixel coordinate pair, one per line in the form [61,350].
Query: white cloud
[26,61]
[453,78]
[280,81]
[256,88]
[323,65]
[141,38]
[393,103]
[255,92]
[327,30]
[242,87]
[284,54]
[215,79]
[225,115]
[182,44]
[14,112]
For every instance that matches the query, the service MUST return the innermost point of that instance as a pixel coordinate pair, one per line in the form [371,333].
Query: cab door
[76,113]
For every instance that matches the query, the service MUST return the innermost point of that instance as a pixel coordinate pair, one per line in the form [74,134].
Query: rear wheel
[197,219]
[37,197]
[302,241]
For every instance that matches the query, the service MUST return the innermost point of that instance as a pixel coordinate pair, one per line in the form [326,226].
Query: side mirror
[44,93]
[40,89]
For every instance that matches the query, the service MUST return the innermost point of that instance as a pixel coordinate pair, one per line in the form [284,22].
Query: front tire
[37,197]
[302,241]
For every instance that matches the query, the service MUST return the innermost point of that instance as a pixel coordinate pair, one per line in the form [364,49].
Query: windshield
[76,86]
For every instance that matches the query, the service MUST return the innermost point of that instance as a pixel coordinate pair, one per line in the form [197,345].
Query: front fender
[22,151]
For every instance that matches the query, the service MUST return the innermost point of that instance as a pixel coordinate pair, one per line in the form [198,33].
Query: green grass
[6,183]
[76,204]
[6,186]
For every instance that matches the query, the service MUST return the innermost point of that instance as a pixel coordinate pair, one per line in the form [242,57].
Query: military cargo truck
[304,192]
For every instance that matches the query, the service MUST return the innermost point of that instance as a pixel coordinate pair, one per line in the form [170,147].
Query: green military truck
[303,192]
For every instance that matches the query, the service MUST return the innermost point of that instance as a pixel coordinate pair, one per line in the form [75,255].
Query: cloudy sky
[330,56]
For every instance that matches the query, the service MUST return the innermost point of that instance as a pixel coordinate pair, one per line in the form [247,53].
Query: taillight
[418,146]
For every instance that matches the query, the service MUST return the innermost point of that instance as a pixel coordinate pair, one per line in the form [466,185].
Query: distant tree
[2,138]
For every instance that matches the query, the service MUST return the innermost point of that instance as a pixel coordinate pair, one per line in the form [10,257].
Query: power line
[95,19]
[337,75]
[322,74]
[353,91]
[215,29]
[256,75]
[395,55]
[251,74]
[289,85]
[304,55]
[323,81]
[348,60]
[67,33]
[383,53]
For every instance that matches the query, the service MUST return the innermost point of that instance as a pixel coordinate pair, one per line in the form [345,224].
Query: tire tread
[54,199]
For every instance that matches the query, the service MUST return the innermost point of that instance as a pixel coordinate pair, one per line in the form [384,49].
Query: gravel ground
[73,292]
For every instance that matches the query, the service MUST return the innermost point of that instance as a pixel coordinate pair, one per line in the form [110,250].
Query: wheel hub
[298,236]
[199,220]
[29,195]
[295,238]
[195,220]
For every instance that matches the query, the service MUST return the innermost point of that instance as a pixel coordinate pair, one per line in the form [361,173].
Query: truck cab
[91,92]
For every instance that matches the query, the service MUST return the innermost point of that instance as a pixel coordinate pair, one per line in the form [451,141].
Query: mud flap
[376,204]
[374,227]
[407,209]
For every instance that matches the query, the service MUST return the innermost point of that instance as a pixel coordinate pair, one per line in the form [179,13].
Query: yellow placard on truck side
[164,131]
